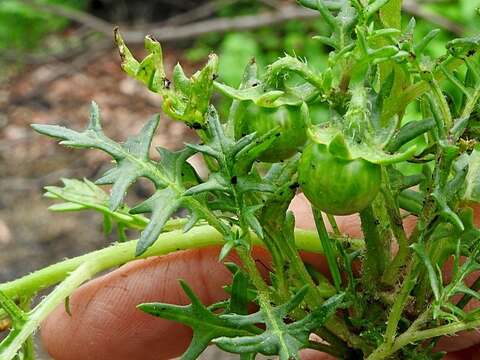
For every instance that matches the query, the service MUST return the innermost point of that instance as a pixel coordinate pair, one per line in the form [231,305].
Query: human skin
[105,323]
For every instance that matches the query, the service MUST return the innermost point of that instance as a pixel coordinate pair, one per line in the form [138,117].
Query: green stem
[252,270]
[121,253]
[335,332]
[11,345]
[400,303]
[333,224]
[329,251]
[393,270]
[13,311]
[289,63]
[374,261]
[78,270]
[414,336]
[335,324]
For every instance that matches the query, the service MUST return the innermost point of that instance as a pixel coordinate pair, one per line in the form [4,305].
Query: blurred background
[58,55]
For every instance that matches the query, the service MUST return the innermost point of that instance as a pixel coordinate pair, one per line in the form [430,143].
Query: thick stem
[78,270]
[374,261]
[121,253]
[10,347]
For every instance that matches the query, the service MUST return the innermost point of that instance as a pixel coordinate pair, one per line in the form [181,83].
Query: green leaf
[129,157]
[262,94]
[206,325]
[162,205]
[215,182]
[435,283]
[92,137]
[170,175]
[127,170]
[81,195]
[472,189]
[391,14]
[241,291]
[279,338]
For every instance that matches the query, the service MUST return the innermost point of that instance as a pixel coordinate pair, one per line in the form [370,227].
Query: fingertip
[310,354]
[106,323]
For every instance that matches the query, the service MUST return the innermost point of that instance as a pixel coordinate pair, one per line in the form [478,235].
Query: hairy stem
[121,253]
[412,335]
[393,270]
[374,262]
[400,303]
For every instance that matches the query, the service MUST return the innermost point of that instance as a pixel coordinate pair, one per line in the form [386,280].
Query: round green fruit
[334,185]
[290,126]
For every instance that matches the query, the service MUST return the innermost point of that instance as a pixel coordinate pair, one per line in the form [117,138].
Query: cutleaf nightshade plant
[365,157]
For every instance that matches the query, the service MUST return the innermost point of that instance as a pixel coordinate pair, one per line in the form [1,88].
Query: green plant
[398,305]
[23,27]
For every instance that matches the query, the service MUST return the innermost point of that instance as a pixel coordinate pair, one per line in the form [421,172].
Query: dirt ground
[31,236]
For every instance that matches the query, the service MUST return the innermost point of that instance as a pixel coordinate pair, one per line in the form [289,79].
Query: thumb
[105,323]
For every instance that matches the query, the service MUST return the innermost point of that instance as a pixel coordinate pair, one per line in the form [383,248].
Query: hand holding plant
[95,303]
[365,157]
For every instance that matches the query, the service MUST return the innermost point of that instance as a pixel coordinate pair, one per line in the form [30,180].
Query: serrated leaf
[122,177]
[239,290]
[214,183]
[92,137]
[162,205]
[432,274]
[83,195]
[205,324]
[253,183]
[279,338]
[127,171]
[131,157]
